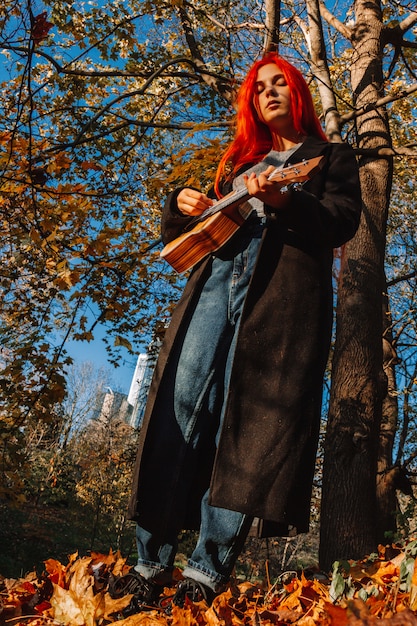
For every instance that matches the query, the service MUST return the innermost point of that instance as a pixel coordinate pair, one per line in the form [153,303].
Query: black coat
[265,459]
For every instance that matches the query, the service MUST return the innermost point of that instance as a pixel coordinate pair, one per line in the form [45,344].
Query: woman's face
[272,98]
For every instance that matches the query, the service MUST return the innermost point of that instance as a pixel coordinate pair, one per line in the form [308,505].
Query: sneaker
[146,593]
[193,591]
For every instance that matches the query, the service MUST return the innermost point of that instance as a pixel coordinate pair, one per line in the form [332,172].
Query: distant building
[111,404]
[139,387]
[130,408]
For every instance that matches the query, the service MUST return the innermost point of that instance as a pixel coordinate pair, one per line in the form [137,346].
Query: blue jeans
[200,386]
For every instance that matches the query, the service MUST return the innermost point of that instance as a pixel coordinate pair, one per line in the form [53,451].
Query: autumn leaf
[56,571]
[79,597]
[122,341]
[413,588]
[152,618]
[91,165]
[40,27]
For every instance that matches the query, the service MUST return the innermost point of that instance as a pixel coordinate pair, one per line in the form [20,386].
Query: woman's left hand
[266,190]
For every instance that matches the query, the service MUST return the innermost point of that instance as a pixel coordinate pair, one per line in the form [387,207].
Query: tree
[53,473]
[105,454]
[103,111]
[359,384]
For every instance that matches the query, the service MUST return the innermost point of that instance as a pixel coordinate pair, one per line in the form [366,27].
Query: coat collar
[310,148]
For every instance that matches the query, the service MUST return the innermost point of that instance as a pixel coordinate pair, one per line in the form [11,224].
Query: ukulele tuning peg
[284,189]
[297,186]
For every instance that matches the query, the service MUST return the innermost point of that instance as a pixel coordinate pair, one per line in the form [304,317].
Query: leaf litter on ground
[380,589]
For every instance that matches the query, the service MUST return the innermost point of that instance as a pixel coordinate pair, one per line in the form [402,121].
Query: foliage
[380,589]
[75,484]
[106,107]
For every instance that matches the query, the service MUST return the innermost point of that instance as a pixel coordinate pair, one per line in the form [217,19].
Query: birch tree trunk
[320,69]
[348,526]
[272,19]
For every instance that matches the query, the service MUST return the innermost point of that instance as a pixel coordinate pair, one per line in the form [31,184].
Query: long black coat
[265,459]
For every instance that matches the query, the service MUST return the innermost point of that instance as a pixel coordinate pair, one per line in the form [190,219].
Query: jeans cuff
[154,571]
[213,580]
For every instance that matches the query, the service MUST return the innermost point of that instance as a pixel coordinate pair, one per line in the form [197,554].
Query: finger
[252,183]
[198,200]
[192,202]
[263,181]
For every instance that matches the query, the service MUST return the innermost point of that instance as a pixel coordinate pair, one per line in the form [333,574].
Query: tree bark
[348,526]
[321,72]
[272,20]
[388,473]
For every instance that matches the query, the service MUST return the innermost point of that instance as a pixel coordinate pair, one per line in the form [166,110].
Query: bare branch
[333,21]
[234,27]
[385,152]
[404,93]
[408,22]
[65,69]
[409,44]
[400,279]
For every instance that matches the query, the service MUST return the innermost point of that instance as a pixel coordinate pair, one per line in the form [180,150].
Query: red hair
[253,139]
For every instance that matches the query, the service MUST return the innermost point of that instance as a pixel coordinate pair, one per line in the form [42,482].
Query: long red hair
[253,139]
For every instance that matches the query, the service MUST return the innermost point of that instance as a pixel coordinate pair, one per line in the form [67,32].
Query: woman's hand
[266,190]
[192,202]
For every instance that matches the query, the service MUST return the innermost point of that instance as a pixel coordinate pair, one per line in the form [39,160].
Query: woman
[231,427]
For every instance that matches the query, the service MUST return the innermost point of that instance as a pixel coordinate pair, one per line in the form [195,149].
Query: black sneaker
[146,593]
[193,591]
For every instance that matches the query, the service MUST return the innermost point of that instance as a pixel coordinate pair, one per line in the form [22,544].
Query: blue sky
[94,352]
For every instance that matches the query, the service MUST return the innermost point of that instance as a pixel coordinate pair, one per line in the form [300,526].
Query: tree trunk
[320,69]
[272,20]
[348,526]
[387,477]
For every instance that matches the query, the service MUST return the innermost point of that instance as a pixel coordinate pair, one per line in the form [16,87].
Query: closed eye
[276,81]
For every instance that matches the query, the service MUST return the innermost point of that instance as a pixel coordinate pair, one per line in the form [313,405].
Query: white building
[139,388]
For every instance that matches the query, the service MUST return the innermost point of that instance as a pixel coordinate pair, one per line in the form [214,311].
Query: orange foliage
[76,595]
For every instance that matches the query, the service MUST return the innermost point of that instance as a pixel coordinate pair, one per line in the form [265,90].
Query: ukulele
[217,224]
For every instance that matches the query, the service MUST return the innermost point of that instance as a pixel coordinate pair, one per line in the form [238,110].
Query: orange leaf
[90,165]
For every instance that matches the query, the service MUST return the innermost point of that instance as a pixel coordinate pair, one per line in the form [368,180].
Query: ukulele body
[218,223]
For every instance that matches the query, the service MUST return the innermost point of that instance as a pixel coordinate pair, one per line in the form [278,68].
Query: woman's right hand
[192,202]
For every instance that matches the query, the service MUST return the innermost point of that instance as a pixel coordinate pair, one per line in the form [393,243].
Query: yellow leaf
[413,589]
[66,607]
[151,618]
[121,341]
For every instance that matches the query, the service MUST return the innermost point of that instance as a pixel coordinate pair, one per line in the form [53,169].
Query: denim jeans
[200,385]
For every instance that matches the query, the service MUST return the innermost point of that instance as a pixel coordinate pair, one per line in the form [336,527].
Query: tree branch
[400,279]
[379,103]
[272,21]
[408,22]
[186,126]
[387,153]
[218,84]
[333,21]
[129,94]
[395,34]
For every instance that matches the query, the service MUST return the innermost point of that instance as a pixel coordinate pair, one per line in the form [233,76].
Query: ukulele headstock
[294,176]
